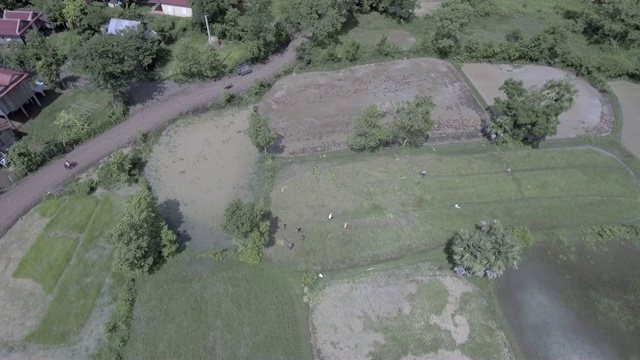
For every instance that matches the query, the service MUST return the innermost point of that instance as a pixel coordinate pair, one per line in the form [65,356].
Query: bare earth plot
[197,167]
[591,114]
[314,111]
[628,95]
[412,313]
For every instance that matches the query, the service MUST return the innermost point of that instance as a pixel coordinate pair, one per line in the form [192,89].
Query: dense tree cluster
[116,62]
[410,126]
[530,115]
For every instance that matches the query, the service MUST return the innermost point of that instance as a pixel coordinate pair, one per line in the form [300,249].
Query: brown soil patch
[197,167]
[628,95]
[591,114]
[346,322]
[313,111]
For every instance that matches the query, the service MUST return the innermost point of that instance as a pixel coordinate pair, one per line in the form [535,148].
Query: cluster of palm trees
[486,251]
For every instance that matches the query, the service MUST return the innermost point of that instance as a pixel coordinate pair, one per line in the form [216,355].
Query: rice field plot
[383,208]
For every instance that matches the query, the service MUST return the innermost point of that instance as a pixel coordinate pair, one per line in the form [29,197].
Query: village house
[14,25]
[180,8]
[15,91]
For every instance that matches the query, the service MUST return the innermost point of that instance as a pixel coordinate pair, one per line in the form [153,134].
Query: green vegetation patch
[46,260]
[49,207]
[42,128]
[392,211]
[194,309]
[80,287]
[74,216]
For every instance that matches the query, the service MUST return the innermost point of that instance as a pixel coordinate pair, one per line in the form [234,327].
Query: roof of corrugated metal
[9,79]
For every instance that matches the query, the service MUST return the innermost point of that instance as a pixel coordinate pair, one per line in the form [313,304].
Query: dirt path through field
[197,167]
[628,95]
[17,201]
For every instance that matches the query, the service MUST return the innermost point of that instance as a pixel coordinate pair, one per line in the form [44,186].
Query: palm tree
[486,252]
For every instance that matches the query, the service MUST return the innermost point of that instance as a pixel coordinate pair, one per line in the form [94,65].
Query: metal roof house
[14,92]
[181,8]
[15,24]
[116,25]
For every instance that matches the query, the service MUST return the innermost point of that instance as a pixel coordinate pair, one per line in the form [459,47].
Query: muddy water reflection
[588,308]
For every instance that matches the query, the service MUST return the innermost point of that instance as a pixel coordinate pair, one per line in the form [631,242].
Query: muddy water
[585,308]
[197,167]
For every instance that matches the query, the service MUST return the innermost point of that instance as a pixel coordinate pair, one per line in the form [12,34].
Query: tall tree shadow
[170,212]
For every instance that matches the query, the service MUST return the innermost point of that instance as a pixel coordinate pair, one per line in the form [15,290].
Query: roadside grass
[42,128]
[80,287]
[46,260]
[49,207]
[391,211]
[231,54]
[198,308]
[74,216]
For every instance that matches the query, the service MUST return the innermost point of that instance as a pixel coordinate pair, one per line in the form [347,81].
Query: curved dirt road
[26,194]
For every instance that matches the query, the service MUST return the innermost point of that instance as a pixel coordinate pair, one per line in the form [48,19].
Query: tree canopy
[249,226]
[412,121]
[141,238]
[368,133]
[323,18]
[485,252]
[115,62]
[259,132]
[214,9]
[530,115]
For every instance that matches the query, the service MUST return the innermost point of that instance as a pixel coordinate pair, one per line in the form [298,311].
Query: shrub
[227,97]
[85,187]
[240,218]
[259,88]
[118,169]
[309,278]
[117,329]
[24,160]
[523,234]
[351,51]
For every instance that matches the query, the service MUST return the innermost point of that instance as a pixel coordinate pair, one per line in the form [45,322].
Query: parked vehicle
[243,70]
[228,85]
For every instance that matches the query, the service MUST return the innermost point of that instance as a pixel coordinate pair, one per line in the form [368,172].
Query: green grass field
[392,211]
[46,260]
[202,309]
[73,216]
[79,288]
[43,128]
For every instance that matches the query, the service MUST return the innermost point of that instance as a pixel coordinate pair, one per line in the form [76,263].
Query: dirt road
[25,195]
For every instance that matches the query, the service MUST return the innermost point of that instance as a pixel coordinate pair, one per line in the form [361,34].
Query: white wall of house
[176,10]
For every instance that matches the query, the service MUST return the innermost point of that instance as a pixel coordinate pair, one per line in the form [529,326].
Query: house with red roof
[15,91]
[15,24]
[180,8]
